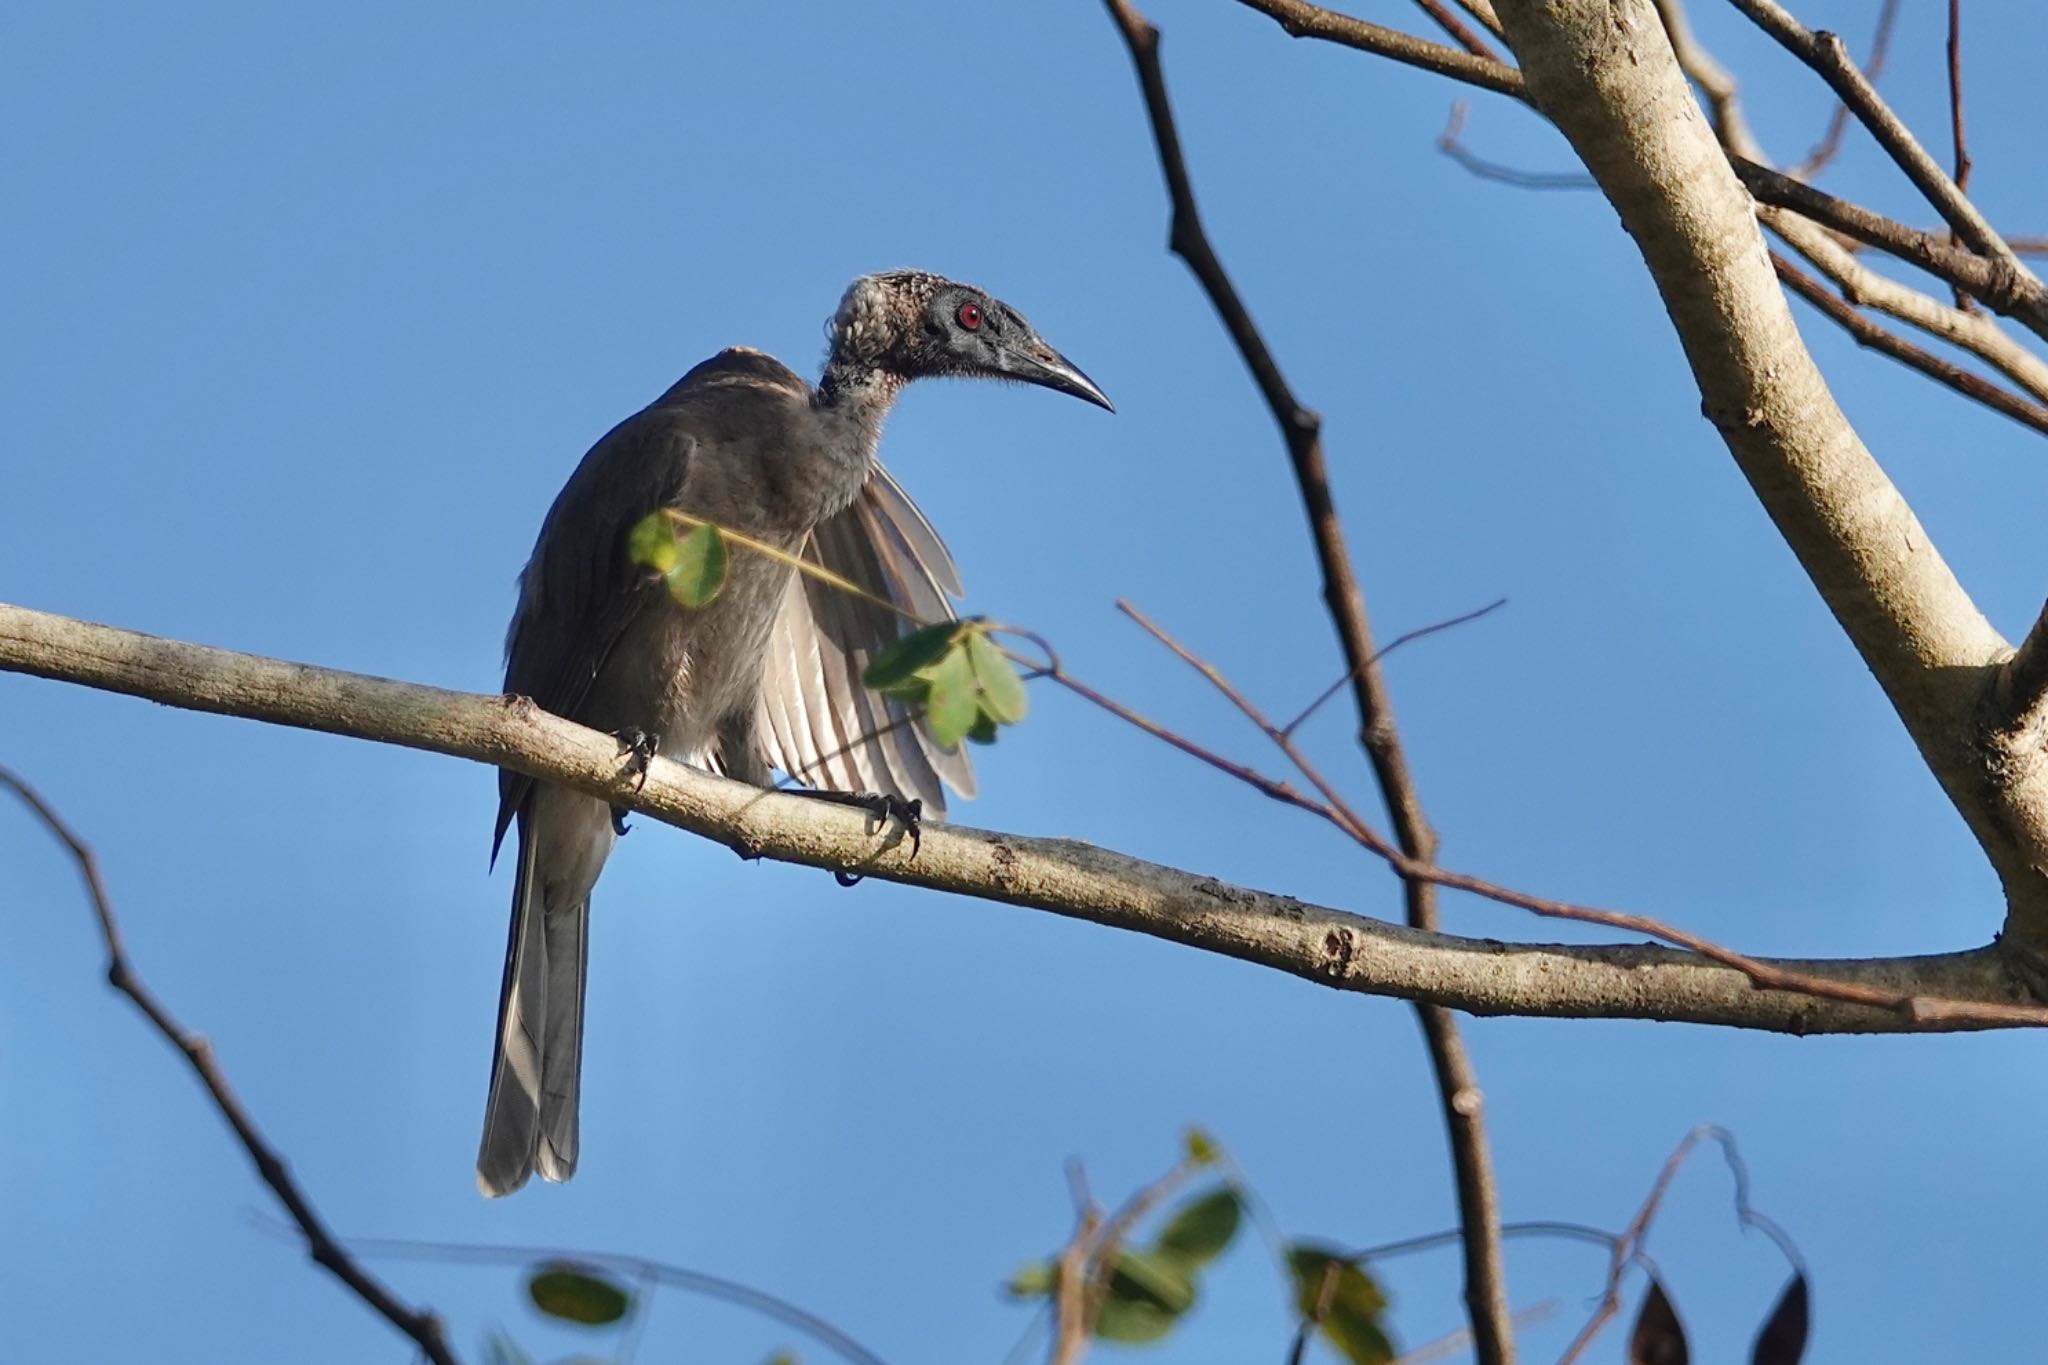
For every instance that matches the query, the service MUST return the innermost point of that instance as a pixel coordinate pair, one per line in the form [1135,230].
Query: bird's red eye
[970,316]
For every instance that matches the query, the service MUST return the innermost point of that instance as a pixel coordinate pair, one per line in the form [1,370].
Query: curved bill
[1037,363]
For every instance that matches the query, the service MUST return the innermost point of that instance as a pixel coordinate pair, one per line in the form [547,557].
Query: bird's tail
[530,1117]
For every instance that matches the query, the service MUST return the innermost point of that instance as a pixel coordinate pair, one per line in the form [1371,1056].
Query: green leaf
[1132,1320]
[577,1293]
[699,568]
[1162,1279]
[1002,692]
[950,705]
[1350,1314]
[652,542]
[899,664]
[1201,1228]
[1034,1281]
[984,731]
[1201,1148]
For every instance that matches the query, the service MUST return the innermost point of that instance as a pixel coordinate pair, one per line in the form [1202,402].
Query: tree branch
[1826,55]
[1302,20]
[421,1326]
[1486,1297]
[1974,989]
[1880,339]
[1606,75]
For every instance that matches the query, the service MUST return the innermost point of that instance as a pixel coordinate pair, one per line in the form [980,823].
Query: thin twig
[1824,52]
[1478,1198]
[672,1276]
[1406,637]
[1628,1248]
[2023,300]
[422,1326]
[1457,29]
[1760,972]
[1838,120]
[1451,143]
[1955,111]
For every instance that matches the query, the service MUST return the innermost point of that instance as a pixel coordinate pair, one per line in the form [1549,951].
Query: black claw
[642,746]
[619,825]
[885,808]
[845,878]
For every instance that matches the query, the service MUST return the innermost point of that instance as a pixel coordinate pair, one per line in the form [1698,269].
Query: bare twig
[1764,974]
[1955,95]
[1302,20]
[1628,1248]
[1886,342]
[1838,120]
[1825,54]
[2025,301]
[1486,1295]
[1073,1321]
[1457,29]
[420,1325]
[637,1267]
[1406,637]
[1451,143]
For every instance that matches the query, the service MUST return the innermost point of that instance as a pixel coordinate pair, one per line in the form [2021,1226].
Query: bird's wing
[581,591]
[817,721]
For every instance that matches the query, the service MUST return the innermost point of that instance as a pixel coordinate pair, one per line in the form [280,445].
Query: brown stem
[421,1326]
[1486,1298]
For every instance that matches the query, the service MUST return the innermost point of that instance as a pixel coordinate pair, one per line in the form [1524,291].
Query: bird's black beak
[1034,362]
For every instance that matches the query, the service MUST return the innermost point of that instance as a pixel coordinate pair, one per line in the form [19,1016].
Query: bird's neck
[852,399]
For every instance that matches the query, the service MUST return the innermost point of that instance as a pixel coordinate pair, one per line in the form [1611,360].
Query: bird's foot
[642,747]
[886,808]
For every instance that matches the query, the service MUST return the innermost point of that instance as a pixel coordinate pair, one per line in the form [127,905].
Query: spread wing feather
[818,721]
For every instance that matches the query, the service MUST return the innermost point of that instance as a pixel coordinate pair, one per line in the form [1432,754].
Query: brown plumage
[764,677]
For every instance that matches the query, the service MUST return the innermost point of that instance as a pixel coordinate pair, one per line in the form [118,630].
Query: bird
[765,676]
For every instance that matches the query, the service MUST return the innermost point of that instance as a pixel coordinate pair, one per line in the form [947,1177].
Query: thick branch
[1332,947]
[1606,75]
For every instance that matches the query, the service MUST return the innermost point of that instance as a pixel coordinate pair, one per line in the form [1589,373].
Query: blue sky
[311,310]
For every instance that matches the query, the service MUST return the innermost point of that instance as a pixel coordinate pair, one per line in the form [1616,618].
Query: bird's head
[906,324]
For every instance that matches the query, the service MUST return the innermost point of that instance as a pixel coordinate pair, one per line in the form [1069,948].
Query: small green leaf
[984,731]
[1003,697]
[652,542]
[1350,1313]
[1034,1281]
[1201,1148]
[699,569]
[950,704]
[577,1293]
[899,664]
[1163,1279]
[1132,1320]
[1145,1293]
[1201,1228]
